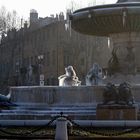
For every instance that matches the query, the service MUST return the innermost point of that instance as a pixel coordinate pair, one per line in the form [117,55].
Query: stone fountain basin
[104,20]
[49,96]
[55,95]
[42,103]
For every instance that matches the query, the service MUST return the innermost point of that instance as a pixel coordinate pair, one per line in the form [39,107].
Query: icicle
[109,43]
[70,27]
[68,22]
[124,18]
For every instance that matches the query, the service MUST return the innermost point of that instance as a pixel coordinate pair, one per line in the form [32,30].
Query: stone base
[116,112]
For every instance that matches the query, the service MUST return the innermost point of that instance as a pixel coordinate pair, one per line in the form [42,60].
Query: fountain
[120,22]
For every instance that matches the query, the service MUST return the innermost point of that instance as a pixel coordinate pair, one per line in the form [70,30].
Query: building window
[53,81]
[48,58]
[43,35]
[48,81]
[66,60]
[82,61]
[26,61]
[32,60]
[53,57]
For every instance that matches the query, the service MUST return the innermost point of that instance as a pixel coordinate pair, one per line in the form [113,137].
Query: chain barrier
[126,131]
[32,131]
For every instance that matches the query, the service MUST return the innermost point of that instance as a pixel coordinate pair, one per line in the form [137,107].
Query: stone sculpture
[121,95]
[69,78]
[124,94]
[94,76]
[110,94]
[4,98]
[30,74]
[5,101]
[113,63]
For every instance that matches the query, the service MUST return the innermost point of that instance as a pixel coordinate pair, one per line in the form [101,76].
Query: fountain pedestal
[120,22]
[116,112]
[125,46]
[124,62]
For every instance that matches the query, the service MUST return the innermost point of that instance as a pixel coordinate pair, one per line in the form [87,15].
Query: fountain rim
[94,14]
[125,4]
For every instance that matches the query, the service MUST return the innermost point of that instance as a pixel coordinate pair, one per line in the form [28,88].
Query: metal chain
[32,131]
[126,131]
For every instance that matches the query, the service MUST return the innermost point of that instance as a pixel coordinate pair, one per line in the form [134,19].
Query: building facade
[46,49]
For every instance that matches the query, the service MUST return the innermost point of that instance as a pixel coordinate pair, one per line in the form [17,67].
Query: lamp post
[17,73]
[41,75]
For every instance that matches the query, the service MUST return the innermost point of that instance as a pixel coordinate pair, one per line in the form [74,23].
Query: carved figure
[30,69]
[69,78]
[5,101]
[124,94]
[113,63]
[4,98]
[110,94]
[120,95]
[94,76]
[30,74]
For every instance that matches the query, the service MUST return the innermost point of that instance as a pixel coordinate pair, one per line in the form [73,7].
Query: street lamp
[17,73]
[40,57]
[41,75]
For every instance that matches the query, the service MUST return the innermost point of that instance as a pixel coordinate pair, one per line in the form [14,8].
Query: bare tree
[95,2]
[2,19]
[92,3]
[73,5]
[77,4]
[8,20]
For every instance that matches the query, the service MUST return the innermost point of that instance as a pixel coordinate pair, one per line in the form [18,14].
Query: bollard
[61,129]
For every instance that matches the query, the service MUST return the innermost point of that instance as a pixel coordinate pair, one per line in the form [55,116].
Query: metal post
[61,129]
[41,75]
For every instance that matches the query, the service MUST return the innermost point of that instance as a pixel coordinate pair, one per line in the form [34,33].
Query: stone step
[54,105]
[53,108]
[14,116]
[46,111]
[31,112]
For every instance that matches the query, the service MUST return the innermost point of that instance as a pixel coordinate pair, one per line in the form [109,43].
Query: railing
[74,129]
